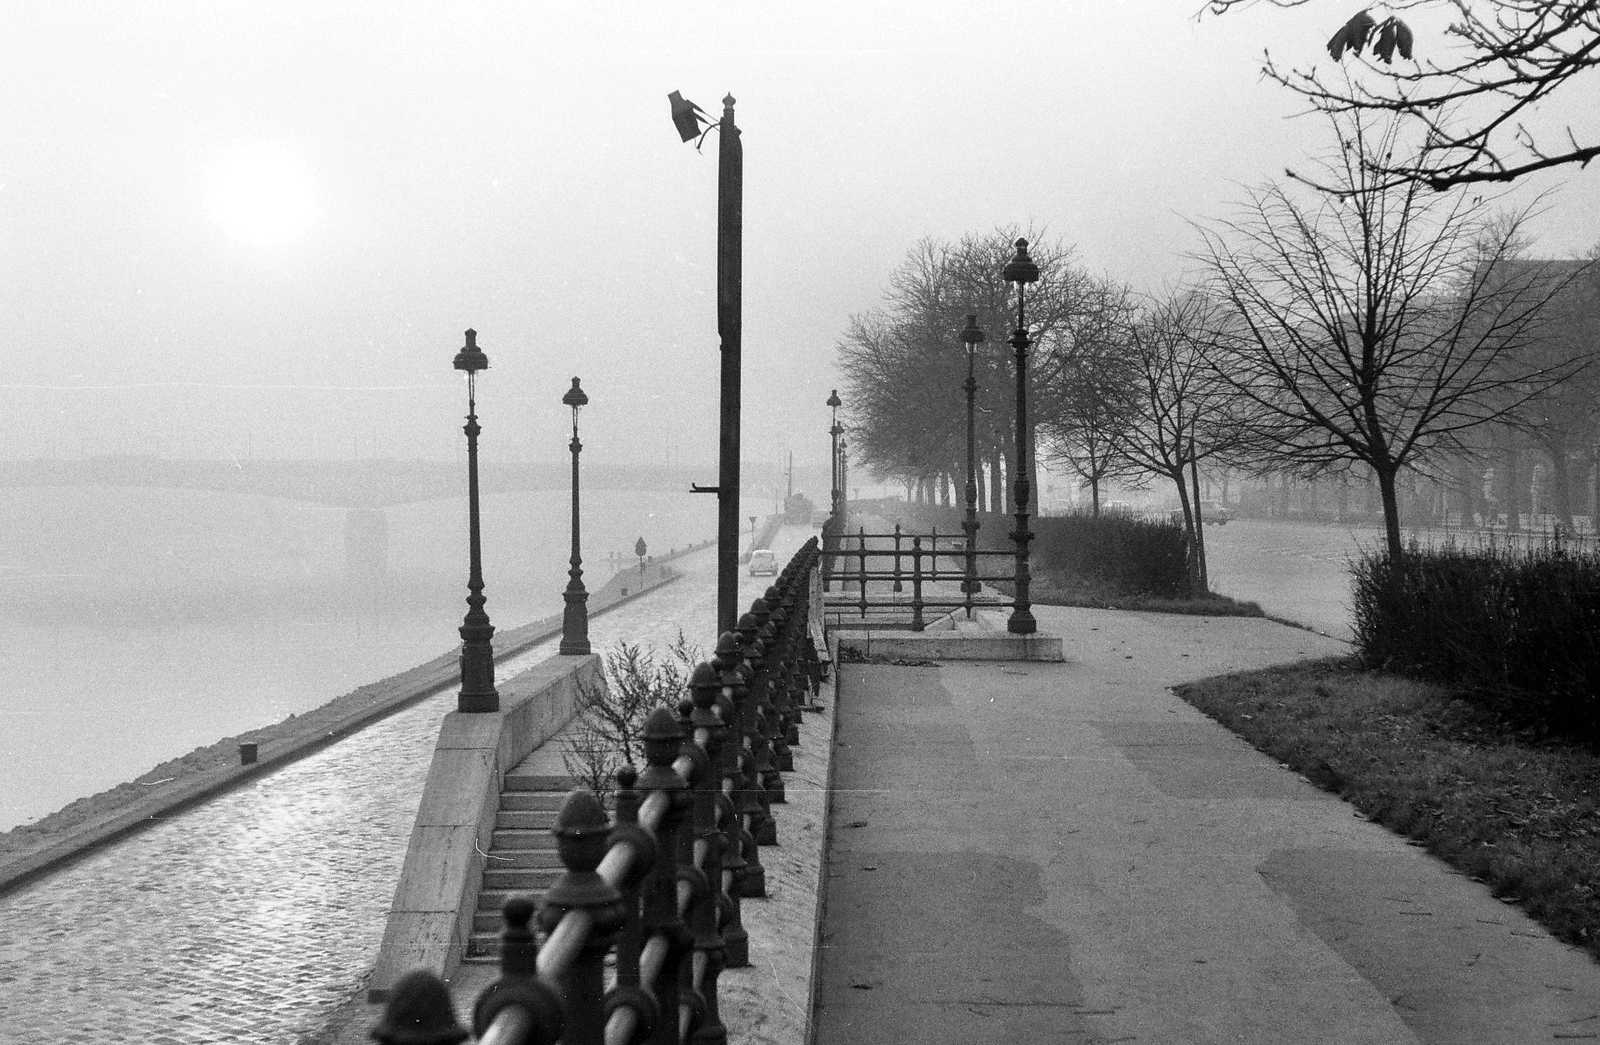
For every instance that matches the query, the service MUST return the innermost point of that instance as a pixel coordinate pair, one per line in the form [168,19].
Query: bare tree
[1180,414]
[905,366]
[1473,103]
[1084,395]
[1560,418]
[1376,325]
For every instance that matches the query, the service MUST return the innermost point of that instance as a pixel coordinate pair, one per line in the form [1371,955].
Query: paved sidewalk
[1068,853]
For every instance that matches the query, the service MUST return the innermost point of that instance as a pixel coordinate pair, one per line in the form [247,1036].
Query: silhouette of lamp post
[972,337]
[1021,270]
[691,123]
[575,618]
[477,649]
[834,430]
[844,476]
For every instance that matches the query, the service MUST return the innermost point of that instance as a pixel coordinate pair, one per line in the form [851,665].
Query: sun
[262,195]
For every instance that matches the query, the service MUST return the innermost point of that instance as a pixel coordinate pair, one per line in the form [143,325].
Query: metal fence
[875,572]
[657,892]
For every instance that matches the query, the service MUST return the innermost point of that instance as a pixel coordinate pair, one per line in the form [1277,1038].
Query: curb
[410,687]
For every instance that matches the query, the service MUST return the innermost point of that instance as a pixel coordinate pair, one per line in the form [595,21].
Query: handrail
[661,885]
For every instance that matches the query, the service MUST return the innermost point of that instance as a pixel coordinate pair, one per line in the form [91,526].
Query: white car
[763,563]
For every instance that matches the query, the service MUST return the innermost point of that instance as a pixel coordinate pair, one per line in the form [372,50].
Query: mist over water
[138,624]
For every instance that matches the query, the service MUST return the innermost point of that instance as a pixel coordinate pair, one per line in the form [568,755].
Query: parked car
[1211,512]
[763,563]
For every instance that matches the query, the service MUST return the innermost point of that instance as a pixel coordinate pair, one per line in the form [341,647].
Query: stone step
[522,879]
[506,839]
[504,859]
[482,949]
[525,819]
[542,801]
[493,901]
[521,780]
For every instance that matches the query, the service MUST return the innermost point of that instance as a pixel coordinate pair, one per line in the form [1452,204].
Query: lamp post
[834,430]
[752,535]
[477,649]
[844,476]
[1021,270]
[575,618]
[687,118]
[972,337]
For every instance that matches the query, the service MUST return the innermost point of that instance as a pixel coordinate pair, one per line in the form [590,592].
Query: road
[1297,571]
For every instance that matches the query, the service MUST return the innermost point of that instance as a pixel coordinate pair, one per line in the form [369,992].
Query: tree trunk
[1561,478]
[1513,493]
[997,482]
[1094,496]
[1391,513]
[1182,484]
[1199,529]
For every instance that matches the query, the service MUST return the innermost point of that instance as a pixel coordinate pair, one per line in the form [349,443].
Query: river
[139,624]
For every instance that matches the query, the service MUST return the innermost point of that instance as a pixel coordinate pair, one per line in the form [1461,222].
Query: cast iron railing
[661,888]
[877,569]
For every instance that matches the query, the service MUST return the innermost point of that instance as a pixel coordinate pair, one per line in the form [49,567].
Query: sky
[260,229]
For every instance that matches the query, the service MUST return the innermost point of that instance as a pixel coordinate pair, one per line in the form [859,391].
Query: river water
[139,624]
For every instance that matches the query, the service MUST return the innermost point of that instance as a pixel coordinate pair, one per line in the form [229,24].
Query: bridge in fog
[368,484]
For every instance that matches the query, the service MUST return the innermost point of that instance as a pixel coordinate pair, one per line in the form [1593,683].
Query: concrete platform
[950,636]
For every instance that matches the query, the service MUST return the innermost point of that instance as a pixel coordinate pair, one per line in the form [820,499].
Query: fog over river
[138,624]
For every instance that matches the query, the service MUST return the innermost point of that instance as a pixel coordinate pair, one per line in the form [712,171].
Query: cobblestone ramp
[247,919]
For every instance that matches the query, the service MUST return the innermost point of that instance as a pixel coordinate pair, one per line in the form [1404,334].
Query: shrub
[611,717]
[1111,555]
[1129,555]
[1516,629]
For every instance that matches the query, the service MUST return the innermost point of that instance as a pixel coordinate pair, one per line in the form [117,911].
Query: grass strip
[1055,590]
[1513,808]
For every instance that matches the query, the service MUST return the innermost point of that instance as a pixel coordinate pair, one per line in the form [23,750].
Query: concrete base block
[948,645]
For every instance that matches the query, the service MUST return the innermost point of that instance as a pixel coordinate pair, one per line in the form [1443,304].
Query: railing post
[582,838]
[762,826]
[735,939]
[861,553]
[629,992]
[746,801]
[916,583]
[777,722]
[519,995]
[709,915]
[897,586]
[771,732]
[418,1009]
[661,922]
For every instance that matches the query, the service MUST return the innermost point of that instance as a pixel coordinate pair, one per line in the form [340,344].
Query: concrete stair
[522,854]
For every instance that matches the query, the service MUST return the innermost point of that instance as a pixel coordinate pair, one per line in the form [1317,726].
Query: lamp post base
[1021,622]
[575,624]
[477,694]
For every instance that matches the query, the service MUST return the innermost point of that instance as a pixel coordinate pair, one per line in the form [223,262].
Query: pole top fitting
[575,396]
[1021,269]
[833,399]
[972,334]
[727,105]
[471,358]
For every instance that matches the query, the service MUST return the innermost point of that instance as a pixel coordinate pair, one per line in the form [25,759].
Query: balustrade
[660,888]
